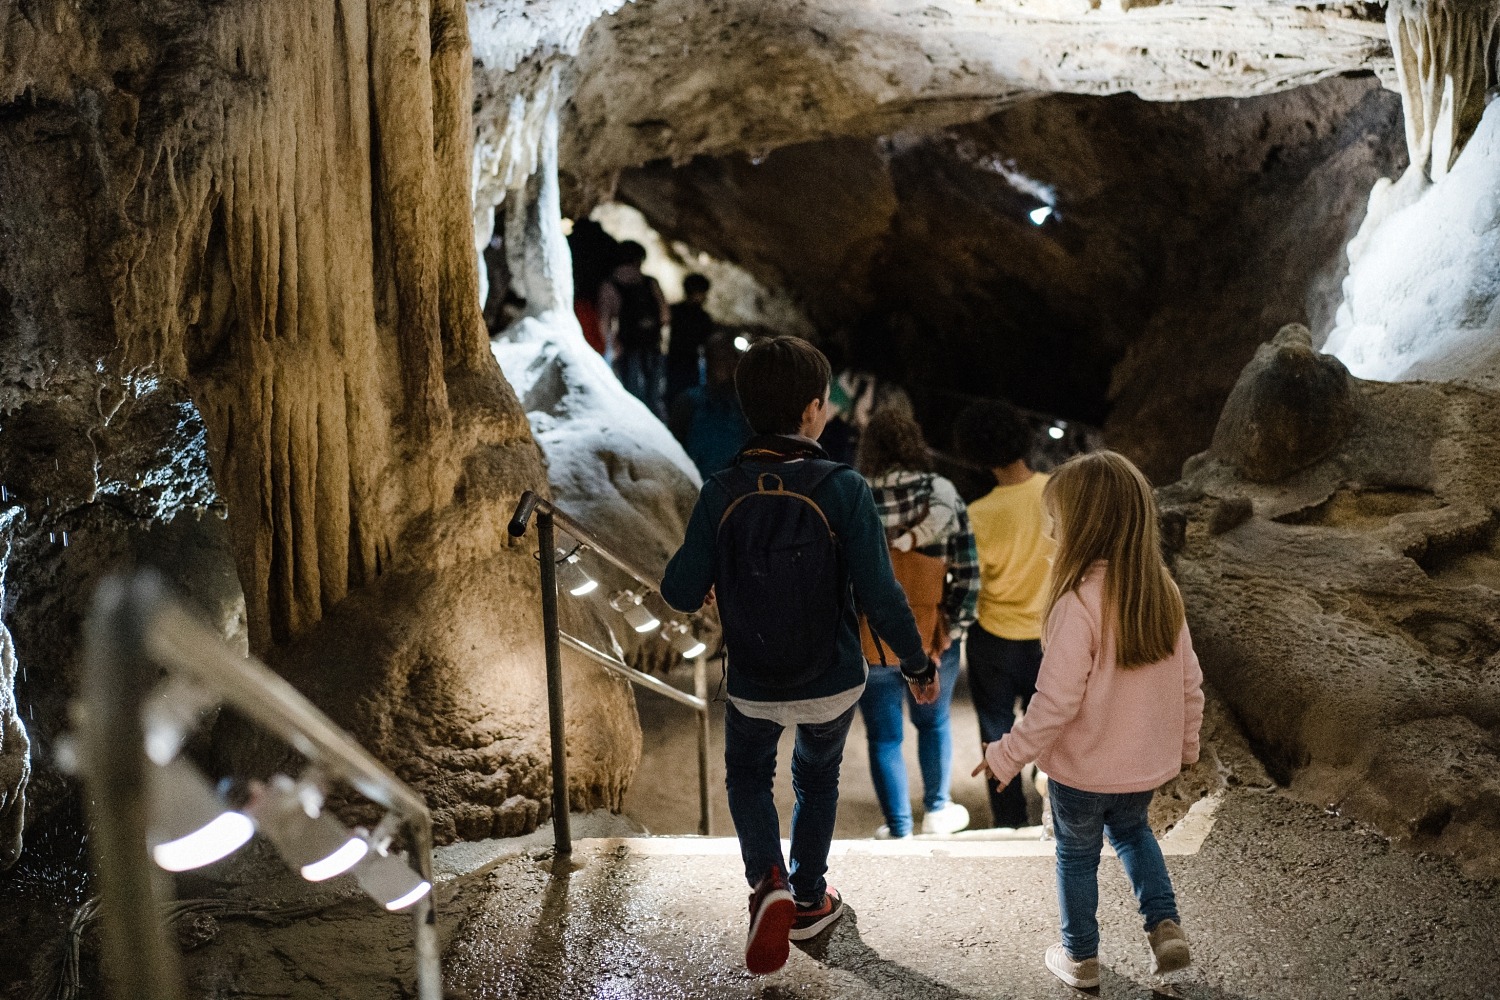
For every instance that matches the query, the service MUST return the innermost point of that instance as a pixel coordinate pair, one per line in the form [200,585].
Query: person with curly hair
[1004,646]
[932,553]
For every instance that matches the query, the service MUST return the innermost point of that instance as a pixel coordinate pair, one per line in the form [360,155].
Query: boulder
[1290,408]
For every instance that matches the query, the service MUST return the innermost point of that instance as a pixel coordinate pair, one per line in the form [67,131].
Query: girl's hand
[984,764]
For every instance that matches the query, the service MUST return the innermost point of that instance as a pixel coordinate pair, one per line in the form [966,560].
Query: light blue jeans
[885,691]
[1080,820]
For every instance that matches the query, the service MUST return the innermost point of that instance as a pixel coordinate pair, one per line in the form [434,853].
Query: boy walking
[788,543]
[1004,647]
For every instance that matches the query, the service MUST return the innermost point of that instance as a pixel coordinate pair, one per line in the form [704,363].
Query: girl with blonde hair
[1118,705]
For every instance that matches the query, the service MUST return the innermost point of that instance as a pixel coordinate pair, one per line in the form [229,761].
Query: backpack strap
[806,476]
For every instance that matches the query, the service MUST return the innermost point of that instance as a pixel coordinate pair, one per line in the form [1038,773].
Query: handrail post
[700,689]
[139,962]
[561,834]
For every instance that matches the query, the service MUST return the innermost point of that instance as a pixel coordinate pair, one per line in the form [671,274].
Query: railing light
[684,641]
[390,881]
[290,813]
[574,579]
[190,826]
[338,862]
[636,614]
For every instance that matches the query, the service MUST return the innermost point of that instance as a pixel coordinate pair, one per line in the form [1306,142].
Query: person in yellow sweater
[1004,647]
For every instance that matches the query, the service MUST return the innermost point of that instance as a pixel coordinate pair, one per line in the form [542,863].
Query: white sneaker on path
[948,818]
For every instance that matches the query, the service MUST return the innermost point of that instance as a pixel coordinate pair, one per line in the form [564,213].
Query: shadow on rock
[841,947]
[1180,986]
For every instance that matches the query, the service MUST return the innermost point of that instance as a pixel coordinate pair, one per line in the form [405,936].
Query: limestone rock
[1290,408]
[1351,622]
[1421,300]
[789,71]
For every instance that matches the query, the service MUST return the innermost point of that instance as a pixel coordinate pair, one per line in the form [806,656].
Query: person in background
[707,419]
[1118,706]
[932,554]
[1004,646]
[688,333]
[632,312]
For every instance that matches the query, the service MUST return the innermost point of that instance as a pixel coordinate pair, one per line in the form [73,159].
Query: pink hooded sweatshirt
[1096,727]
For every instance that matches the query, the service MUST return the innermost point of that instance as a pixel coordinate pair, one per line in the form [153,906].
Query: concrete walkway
[664,796]
[1281,900]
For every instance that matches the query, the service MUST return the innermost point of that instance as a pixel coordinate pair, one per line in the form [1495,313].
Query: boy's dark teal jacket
[845,499]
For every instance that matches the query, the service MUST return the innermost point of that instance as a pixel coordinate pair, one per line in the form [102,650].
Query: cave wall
[1184,235]
[233,245]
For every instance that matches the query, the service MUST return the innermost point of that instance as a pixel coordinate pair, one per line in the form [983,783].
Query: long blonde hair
[1102,507]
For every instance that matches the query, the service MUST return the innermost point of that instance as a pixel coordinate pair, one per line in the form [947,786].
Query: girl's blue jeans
[885,692]
[1081,820]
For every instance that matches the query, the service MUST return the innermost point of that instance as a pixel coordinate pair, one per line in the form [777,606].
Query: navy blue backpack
[781,583]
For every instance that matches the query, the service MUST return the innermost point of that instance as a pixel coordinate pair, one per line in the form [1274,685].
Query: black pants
[1000,671]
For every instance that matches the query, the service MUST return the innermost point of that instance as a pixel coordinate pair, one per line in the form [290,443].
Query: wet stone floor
[1282,900]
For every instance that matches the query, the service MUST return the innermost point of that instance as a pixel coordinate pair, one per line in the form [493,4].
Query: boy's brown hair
[776,379]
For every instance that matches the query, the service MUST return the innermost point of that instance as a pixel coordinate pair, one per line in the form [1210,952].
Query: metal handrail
[134,630]
[548,515]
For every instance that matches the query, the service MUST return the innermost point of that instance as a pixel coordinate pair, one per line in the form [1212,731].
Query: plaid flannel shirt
[903,501]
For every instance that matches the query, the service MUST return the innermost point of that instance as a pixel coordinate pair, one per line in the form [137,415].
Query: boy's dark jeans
[750,771]
[1000,671]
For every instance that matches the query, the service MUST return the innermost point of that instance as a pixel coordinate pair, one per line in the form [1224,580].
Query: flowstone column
[283,230]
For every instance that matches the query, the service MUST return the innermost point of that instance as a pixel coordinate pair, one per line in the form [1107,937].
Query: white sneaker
[1080,975]
[883,832]
[948,818]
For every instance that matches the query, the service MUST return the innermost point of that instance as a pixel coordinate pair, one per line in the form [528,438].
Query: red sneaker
[812,920]
[772,910]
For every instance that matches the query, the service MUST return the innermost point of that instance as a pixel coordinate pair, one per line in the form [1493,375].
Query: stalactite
[1445,54]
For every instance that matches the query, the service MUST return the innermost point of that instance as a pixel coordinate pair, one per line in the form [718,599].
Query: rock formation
[1350,619]
[1421,300]
[677,78]
[1290,408]
[240,327]
[245,216]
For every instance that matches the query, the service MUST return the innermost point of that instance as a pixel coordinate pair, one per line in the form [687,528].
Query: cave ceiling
[676,78]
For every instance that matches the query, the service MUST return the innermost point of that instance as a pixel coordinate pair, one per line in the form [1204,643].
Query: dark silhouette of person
[707,418]
[632,312]
[690,328]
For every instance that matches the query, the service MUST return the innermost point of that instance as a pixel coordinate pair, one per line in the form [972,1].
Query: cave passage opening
[1108,261]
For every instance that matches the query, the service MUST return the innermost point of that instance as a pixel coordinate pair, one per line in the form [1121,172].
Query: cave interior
[288,315]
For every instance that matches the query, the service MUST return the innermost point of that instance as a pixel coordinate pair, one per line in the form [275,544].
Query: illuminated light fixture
[573,578]
[1055,432]
[291,815]
[390,881]
[190,826]
[1040,215]
[741,343]
[629,604]
[683,640]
